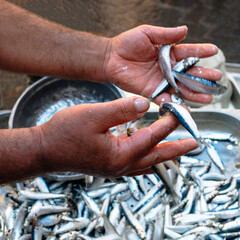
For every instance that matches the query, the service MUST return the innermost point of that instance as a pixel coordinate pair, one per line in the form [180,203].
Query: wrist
[94,52]
[86,56]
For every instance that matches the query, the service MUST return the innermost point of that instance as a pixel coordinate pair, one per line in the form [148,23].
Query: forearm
[36,46]
[20,154]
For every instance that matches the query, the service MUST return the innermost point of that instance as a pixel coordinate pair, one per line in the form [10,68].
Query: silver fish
[222,136]
[19,221]
[165,66]
[212,152]
[199,84]
[184,117]
[162,173]
[133,221]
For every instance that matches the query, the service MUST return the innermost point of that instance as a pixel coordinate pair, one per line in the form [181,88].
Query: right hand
[78,139]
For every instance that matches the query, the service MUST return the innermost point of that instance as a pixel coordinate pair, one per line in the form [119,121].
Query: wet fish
[199,84]
[184,118]
[165,66]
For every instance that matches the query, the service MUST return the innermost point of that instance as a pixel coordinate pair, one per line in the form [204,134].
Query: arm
[20,155]
[33,45]
[70,142]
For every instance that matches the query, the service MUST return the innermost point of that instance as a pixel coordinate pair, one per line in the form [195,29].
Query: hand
[78,139]
[133,61]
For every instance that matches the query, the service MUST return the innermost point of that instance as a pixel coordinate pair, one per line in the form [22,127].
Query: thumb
[164,36]
[120,111]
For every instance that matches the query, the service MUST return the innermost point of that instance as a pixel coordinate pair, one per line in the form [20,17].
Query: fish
[216,159]
[165,66]
[162,173]
[181,66]
[184,118]
[199,84]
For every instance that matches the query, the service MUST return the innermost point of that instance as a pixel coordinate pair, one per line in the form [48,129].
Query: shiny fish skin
[216,158]
[181,66]
[19,221]
[222,137]
[28,195]
[133,221]
[70,226]
[184,118]
[199,84]
[43,210]
[165,66]
[162,173]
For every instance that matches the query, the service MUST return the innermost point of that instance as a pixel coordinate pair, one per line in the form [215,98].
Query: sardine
[162,173]
[184,118]
[212,152]
[199,84]
[165,66]
[181,66]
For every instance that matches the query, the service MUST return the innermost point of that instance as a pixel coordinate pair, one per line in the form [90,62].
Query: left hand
[133,61]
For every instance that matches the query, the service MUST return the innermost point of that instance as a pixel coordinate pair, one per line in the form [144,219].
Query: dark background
[215,21]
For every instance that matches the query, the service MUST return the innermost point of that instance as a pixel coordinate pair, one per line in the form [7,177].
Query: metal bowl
[40,101]
[4,117]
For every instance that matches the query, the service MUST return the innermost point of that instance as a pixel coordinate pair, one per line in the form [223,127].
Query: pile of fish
[76,206]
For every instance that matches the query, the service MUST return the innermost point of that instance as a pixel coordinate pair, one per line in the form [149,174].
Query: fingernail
[183,26]
[141,104]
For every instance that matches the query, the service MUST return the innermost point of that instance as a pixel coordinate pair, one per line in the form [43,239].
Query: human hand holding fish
[134,65]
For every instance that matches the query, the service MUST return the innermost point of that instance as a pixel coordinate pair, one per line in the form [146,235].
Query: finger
[141,172]
[118,112]
[163,152]
[142,141]
[162,98]
[194,50]
[207,73]
[193,96]
[163,36]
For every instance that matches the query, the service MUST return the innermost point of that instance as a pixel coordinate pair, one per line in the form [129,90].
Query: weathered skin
[78,138]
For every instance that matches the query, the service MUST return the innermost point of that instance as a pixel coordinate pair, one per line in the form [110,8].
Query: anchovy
[218,136]
[174,167]
[184,117]
[165,66]
[158,232]
[225,214]
[194,218]
[19,221]
[155,189]
[213,176]
[169,233]
[91,203]
[43,210]
[204,170]
[37,230]
[199,84]
[50,220]
[181,66]
[133,221]
[215,158]
[70,226]
[181,228]
[65,177]
[133,188]
[162,173]
[28,195]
